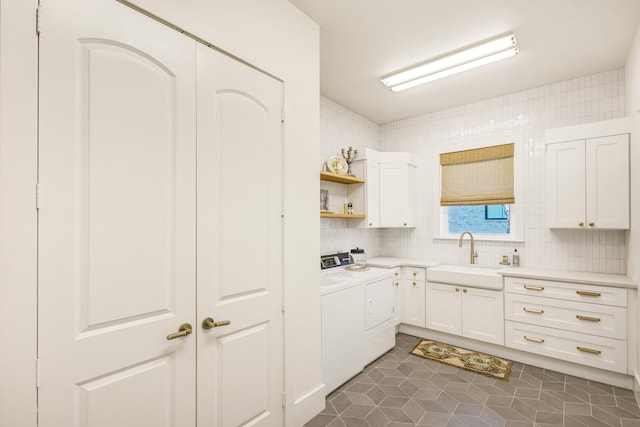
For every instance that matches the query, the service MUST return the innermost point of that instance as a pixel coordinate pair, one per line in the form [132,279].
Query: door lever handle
[209,323]
[184,330]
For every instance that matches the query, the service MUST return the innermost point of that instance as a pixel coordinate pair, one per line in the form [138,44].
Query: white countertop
[391,262]
[615,280]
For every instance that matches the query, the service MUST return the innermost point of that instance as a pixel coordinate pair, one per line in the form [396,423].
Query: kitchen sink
[471,275]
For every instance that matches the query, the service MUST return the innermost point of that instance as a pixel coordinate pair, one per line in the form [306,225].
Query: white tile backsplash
[526,114]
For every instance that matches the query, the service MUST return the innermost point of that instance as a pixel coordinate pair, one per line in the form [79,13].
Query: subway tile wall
[525,115]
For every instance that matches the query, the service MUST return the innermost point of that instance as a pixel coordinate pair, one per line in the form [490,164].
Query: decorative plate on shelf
[337,165]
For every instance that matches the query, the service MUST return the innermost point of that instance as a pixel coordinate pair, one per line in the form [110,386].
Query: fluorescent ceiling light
[457,62]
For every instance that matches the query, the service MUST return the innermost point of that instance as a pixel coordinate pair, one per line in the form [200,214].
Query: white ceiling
[363,40]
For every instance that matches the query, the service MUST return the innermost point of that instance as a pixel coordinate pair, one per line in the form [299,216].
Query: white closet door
[117,242]
[240,179]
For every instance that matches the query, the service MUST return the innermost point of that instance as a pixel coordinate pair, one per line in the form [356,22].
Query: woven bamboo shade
[482,176]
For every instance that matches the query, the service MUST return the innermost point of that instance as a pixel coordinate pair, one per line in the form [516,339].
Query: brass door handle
[533,310]
[538,340]
[184,330]
[534,288]
[588,294]
[589,350]
[209,323]
[590,319]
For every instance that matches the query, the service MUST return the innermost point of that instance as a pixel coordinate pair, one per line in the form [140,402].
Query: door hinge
[38,189]
[37,373]
[38,19]
[284,399]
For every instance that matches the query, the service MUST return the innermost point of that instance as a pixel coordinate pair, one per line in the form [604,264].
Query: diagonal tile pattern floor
[401,390]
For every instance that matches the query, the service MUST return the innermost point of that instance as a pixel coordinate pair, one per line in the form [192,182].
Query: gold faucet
[474,254]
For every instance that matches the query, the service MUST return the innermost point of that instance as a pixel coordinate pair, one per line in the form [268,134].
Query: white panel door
[566,184]
[240,180]
[607,180]
[117,219]
[414,303]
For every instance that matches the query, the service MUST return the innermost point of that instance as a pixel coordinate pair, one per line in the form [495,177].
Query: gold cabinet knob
[581,224]
[184,330]
[209,323]
[405,224]
[457,289]
[464,290]
[413,283]
[370,224]
[592,224]
[415,274]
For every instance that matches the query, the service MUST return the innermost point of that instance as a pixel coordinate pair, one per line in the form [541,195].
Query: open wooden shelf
[339,215]
[342,179]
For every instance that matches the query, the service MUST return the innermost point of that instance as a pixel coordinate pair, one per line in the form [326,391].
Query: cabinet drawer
[568,291]
[599,352]
[415,273]
[593,319]
[397,274]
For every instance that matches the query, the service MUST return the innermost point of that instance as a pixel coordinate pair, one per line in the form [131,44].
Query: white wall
[524,115]
[342,128]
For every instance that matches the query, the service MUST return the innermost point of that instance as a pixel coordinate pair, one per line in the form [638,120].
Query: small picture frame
[324,200]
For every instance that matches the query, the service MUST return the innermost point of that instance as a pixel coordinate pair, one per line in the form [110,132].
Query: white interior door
[116,220]
[240,179]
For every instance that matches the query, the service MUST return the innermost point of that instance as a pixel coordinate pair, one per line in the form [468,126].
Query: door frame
[18,216]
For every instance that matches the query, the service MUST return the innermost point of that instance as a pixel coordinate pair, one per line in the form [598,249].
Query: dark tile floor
[400,389]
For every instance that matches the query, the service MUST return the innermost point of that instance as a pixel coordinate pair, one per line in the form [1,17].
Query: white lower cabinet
[468,312]
[576,322]
[413,310]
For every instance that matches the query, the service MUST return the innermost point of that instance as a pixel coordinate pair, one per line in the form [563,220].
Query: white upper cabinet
[389,194]
[588,176]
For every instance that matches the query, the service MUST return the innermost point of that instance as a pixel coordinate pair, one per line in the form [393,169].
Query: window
[478,189]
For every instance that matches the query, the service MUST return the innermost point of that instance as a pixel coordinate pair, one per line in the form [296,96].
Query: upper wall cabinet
[389,195]
[588,176]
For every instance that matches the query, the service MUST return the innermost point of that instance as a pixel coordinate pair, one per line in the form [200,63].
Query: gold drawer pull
[540,340]
[589,350]
[590,319]
[589,294]
[534,288]
[533,310]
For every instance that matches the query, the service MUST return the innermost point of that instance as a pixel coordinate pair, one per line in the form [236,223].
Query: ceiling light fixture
[467,59]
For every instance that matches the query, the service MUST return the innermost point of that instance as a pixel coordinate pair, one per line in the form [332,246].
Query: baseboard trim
[307,406]
[574,369]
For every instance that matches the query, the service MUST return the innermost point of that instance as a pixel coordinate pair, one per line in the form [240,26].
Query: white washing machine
[357,318]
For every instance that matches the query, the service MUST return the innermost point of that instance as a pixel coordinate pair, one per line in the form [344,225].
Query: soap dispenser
[515,259]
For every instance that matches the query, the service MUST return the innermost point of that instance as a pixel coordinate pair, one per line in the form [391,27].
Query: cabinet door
[483,315]
[414,303]
[607,182]
[566,184]
[443,308]
[393,195]
[373,194]
[379,302]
